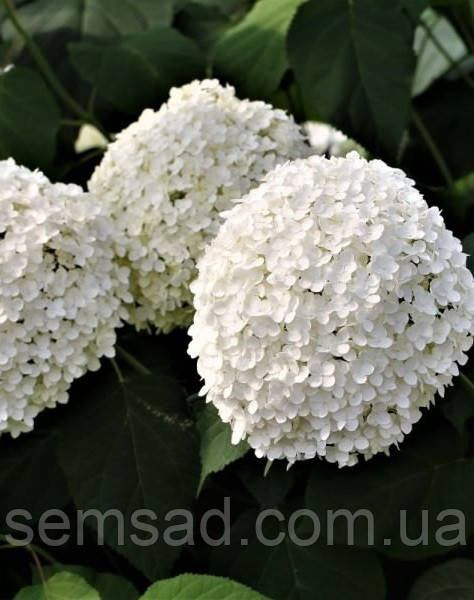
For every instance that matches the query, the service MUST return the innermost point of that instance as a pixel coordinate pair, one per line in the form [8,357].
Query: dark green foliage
[297,571]
[252,55]
[148,460]
[137,71]
[453,580]
[29,118]
[429,472]
[354,62]
[216,450]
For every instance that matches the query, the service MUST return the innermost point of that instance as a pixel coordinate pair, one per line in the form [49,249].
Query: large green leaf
[290,570]
[63,586]
[234,9]
[252,55]
[113,587]
[98,18]
[216,448]
[200,587]
[30,478]
[205,22]
[428,473]
[296,572]
[131,446]
[109,585]
[29,118]
[137,71]
[271,489]
[354,62]
[453,580]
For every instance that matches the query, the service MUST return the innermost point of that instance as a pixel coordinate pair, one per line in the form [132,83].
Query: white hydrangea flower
[61,293]
[168,176]
[325,139]
[331,307]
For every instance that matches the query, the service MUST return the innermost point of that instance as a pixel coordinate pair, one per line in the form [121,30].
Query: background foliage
[396,75]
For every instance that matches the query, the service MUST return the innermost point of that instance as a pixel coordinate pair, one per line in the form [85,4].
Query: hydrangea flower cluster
[61,294]
[331,307]
[168,176]
[325,139]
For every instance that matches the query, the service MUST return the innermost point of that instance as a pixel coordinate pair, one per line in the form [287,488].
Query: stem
[467,382]
[454,65]
[433,148]
[132,361]
[39,568]
[117,370]
[37,549]
[45,68]
[44,554]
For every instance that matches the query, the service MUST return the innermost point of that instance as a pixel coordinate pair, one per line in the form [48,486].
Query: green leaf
[200,587]
[234,9]
[354,62]
[63,586]
[252,55]
[49,571]
[270,489]
[427,473]
[453,580]
[130,447]
[216,449]
[109,585]
[114,587]
[291,569]
[138,70]
[468,246]
[204,24]
[30,477]
[29,118]
[431,61]
[97,18]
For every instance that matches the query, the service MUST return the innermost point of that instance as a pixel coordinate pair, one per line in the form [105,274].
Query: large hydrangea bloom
[330,309]
[61,293]
[168,176]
